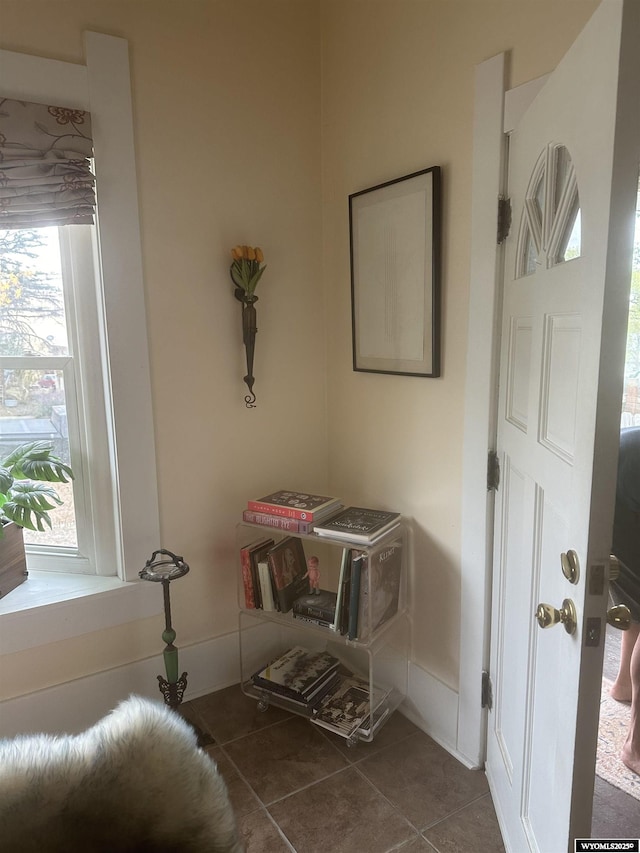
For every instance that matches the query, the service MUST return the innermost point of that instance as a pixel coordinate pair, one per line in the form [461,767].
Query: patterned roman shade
[45,169]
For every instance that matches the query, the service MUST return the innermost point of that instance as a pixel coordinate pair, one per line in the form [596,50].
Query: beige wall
[397,97]
[226,99]
[261,95]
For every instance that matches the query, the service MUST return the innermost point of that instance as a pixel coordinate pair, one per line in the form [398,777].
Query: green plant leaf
[25,517]
[36,461]
[35,496]
[6,479]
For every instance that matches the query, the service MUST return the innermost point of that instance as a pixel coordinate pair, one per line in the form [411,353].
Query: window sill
[52,606]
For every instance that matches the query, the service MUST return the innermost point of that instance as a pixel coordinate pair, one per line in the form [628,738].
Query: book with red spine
[300,505]
[249,555]
[290,525]
[278,522]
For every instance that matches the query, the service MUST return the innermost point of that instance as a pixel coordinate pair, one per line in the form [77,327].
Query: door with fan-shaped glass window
[573,168]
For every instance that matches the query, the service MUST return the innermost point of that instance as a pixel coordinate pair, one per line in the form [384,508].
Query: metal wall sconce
[245,273]
[164,569]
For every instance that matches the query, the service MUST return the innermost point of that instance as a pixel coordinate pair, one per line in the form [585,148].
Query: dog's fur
[136,782]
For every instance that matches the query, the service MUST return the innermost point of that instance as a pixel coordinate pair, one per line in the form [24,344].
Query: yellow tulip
[259,255]
[251,255]
[236,253]
[245,252]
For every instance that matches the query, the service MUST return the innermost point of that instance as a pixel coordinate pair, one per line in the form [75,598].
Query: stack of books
[275,578]
[349,709]
[295,512]
[274,574]
[317,608]
[369,590]
[358,524]
[300,676]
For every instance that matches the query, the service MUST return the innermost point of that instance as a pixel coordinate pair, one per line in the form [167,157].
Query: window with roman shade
[45,165]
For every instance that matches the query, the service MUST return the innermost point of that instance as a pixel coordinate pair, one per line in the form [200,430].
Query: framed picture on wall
[395,235]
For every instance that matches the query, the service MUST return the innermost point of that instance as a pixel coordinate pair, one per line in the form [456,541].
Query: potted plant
[26,497]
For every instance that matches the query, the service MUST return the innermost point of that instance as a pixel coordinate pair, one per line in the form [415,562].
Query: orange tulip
[251,255]
[236,253]
[259,255]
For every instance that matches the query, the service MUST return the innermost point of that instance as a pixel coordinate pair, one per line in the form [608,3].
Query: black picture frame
[395,233]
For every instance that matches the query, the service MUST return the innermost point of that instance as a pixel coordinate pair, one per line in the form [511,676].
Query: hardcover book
[344,594]
[305,507]
[321,605]
[358,524]
[256,555]
[313,620]
[252,598]
[278,522]
[298,672]
[266,590]
[289,571]
[293,701]
[347,707]
[346,560]
[380,581]
[354,596]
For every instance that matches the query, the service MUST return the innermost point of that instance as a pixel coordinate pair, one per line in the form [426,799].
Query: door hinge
[504,218]
[487,690]
[493,471]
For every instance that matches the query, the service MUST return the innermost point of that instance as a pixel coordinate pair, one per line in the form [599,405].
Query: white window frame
[102,86]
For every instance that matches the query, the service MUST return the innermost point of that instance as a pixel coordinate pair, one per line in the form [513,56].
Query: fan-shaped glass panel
[570,244]
[563,167]
[539,196]
[550,229]
[530,254]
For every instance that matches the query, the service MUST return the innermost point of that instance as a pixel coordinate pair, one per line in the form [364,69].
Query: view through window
[37,376]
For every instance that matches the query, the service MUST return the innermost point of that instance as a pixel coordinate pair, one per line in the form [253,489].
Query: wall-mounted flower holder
[245,274]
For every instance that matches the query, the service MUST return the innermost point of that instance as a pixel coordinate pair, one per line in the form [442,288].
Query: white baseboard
[75,705]
[433,707]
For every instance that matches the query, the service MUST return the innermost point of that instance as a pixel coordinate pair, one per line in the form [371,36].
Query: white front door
[573,170]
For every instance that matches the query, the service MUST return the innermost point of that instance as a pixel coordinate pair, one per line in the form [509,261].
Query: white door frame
[496,111]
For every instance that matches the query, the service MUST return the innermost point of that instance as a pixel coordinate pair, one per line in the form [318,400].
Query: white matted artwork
[395,275]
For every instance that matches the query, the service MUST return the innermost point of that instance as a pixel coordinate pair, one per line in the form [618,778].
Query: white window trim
[102,86]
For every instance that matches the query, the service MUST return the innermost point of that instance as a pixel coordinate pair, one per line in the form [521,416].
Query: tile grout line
[262,807]
[454,812]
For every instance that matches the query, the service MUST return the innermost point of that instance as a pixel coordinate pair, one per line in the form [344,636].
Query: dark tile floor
[295,787]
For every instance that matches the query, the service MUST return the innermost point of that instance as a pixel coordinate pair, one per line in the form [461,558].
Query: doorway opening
[616,801]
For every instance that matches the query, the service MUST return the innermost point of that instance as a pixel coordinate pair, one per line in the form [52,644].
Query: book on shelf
[266,586]
[281,522]
[380,582]
[314,620]
[277,522]
[252,597]
[358,524]
[346,559]
[288,566]
[321,605]
[299,674]
[305,507]
[348,706]
[344,592]
[371,723]
[354,595]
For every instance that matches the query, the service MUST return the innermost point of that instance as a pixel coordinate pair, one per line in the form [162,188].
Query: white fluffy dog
[136,782]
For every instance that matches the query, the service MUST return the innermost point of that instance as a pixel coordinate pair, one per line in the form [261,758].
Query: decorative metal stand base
[173,692]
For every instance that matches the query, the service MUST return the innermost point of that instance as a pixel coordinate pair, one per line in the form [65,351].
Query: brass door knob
[549,616]
[619,617]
